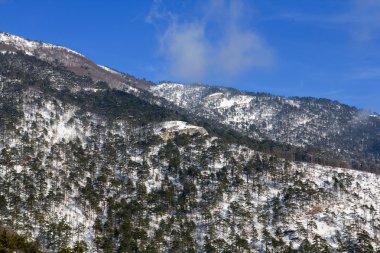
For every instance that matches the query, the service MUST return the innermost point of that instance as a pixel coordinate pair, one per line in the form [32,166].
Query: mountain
[90,167]
[352,134]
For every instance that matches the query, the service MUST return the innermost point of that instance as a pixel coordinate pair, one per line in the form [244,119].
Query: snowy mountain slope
[87,172]
[118,171]
[306,122]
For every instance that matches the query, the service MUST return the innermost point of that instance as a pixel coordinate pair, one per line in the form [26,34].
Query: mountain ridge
[303,121]
[109,69]
[263,93]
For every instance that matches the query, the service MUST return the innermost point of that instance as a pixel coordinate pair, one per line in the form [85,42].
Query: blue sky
[325,48]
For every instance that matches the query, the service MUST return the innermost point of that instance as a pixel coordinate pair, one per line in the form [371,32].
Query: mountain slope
[351,133]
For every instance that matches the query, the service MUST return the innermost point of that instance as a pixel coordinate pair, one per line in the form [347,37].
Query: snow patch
[239,100]
[293,103]
[108,69]
[215,95]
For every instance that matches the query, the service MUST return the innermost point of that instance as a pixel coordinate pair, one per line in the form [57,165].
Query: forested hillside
[88,168]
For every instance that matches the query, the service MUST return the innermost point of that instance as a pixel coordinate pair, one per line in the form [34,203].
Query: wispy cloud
[214,42]
[365,17]
[366,73]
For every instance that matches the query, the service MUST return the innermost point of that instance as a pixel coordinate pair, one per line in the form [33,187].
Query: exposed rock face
[168,130]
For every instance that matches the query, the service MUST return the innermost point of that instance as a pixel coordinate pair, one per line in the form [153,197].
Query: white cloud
[186,49]
[216,42]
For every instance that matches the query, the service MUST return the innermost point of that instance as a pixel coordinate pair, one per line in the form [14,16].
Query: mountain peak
[71,60]
[29,47]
